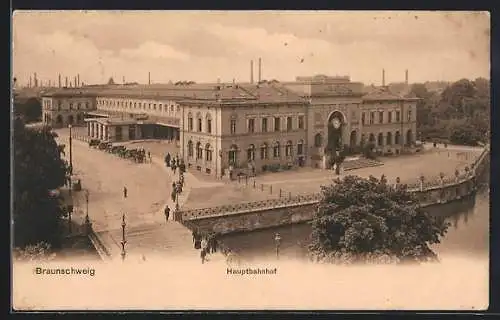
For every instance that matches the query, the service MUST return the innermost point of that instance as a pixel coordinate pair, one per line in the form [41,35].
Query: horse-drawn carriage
[104,145]
[94,142]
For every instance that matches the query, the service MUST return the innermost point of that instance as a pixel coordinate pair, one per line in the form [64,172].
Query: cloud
[153,50]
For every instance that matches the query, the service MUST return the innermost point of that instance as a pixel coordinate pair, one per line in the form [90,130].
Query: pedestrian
[203,254]
[125,192]
[167,213]
[167,159]
[197,242]
[149,156]
[173,185]
[204,244]
[194,236]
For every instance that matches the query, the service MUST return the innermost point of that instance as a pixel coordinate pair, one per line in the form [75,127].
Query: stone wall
[278,212]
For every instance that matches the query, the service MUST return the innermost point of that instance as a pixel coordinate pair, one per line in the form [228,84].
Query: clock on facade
[336,123]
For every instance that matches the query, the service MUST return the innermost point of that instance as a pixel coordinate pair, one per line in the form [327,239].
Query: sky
[204,46]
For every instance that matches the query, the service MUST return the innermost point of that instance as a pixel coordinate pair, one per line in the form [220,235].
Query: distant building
[245,126]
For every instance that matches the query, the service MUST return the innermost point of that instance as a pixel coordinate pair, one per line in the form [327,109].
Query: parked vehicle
[94,142]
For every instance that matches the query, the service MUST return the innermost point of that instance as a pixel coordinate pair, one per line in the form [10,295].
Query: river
[468,235]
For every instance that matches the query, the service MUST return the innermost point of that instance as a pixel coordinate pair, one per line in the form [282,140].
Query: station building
[245,126]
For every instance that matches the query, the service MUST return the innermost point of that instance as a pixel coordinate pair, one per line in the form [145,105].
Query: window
[209,125]
[301,122]
[318,140]
[263,151]
[233,126]
[363,118]
[381,117]
[154,106]
[397,137]
[232,155]
[288,149]
[190,148]
[59,105]
[398,116]
[380,140]
[78,106]
[165,108]
[172,108]
[389,138]
[251,153]
[289,123]
[178,108]
[135,105]
[389,117]
[300,148]
[276,150]
[264,125]
[150,106]
[199,125]
[372,117]
[190,122]
[409,115]
[277,124]
[208,152]
[251,125]
[71,106]
[199,151]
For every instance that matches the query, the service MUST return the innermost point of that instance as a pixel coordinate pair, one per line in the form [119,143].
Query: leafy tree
[39,252]
[367,220]
[29,109]
[38,168]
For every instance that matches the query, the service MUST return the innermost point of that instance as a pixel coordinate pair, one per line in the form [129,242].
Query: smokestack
[260,69]
[251,71]
[78,80]
[149,77]
[59,80]
[383,77]
[50,82]
[36,80]
[30,83]
[66,82]
[406,76]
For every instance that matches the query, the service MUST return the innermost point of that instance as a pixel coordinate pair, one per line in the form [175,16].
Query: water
[468,234]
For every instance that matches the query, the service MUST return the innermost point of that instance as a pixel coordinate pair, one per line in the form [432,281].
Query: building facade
[246,127]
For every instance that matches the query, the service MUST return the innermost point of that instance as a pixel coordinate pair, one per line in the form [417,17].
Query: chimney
[251,71]
[36,80]
[49,83]
[149,77]
[66,82]
[78,80]
[74,81]
[123,80]
[30,83]
[59,80]
[406,76]
[260,69]
[383,77]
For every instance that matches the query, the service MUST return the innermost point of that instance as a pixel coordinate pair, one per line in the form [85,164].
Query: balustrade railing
[288,200]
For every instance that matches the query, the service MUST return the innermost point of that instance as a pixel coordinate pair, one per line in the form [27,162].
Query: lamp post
[277,240]
[70,150]
[88,225]
[123,242]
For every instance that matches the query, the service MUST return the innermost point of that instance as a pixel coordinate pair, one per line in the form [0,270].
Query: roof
[72,92]
[208,92]
[383,94]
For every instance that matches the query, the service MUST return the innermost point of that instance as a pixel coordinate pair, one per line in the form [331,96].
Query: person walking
[167,213]
[125,192]
[204,244]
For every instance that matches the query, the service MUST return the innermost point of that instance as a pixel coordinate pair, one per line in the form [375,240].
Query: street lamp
[123,237]
[277,240]
[88,225]
[70,150]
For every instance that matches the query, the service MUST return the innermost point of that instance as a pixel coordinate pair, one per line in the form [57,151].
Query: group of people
[207,244]
[174,163]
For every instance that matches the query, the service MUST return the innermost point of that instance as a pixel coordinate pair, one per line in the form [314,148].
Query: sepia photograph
[250,160]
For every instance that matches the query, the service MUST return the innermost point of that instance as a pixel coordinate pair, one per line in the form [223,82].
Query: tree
[38,168]
[367,220]
[29,109]
[111,81]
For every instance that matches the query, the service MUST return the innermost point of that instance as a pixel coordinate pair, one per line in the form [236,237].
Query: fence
[287,199]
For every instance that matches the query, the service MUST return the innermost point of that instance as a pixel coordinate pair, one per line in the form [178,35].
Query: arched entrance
[397,138]
[71,120]
[353,139]
[336,124]
[409,138]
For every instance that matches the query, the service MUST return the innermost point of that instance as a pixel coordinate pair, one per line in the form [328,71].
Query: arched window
[263,151]
[199,151]
[372,138]
[190,122]
[288,149]
[190,148]
[397,138]
[200,128]
[71,106]
[208,152]
[318,140]
[300,147]
[251,153]
[380,140]
[233,155]
[389,138]
[78,106]
[276,150]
